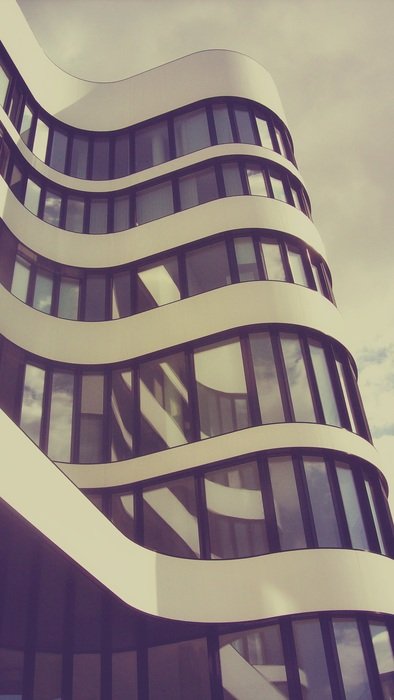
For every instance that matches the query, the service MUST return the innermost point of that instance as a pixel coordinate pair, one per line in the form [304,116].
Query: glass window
[4,83]
[232,179]
[246,259]
[197,188]
[323,509]
[60,419]
[221,117]
[121,294]
[122,213]
[32,196]
[42,299]
[16,182]
[98,219]
[52,205]
[151,145]
[298,379]
[179,671]
[318,278]
[68,298]
[20,280]
[170,518]
[311,660]
[124,675]
[75,214]
[272,256]
[191,132]
[297,267]
[253,665]
[40,140]
[121,415]
[47,676]
[11,674]
[278,188]
[374,510]
[4,158]
[79,156]
[221,389]
[58,154]
[91,421]
[264,133]
[270,400]
[245,126]
[164,403]
[324,384]
[95,298]
[33,392]
[296,198]
[15,105]
[154,202]
[158,284]
[256,180]
[384,657]
[122,513]
[281,142]
[27,118]
[351,660]
[235,512]
[207,268]
[286,502]
[346,395]
[86,676]
[358,536]
[100,162]
[122,155]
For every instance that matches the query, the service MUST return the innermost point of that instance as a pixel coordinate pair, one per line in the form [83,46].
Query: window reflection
[198,188]
[207,268]
[42,299]
[297,377]
[122,513]
[60,421]
[79,157]
[223,128]
[351,660]
[323,509]
[68,298]
[256,180]
[75,214]
[270,400]
[232,179]
[244,125]
[246,259]
[32,196]
[324,383]
[20,280]
[40,140]
[179,671]
[264,132]
[33,392]
[57,159]
[311,660]
[91,422]
[158,284]
[52,204]
[191,132]
[151,146]
[273,261]
[121,294]
[153,203]
[384,657]
[351,503]
[121,415]
[287,504]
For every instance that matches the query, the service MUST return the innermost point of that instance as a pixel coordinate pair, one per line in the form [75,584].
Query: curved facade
[192,504]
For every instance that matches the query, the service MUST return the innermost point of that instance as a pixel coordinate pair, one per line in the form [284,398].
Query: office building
[192,507]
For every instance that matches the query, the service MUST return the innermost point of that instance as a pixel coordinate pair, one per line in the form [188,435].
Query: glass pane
[47,676]
[154,202]
[232,179]
[79,156]
[223,128]
[221,388]
[170,518]
[311,660]
[33,392]
[264,132]
[60,420]
[281,142]
[297,267]
[124,675]
[198,188]
[43,292]
[318,279]
[52,206]
[351,660]
[4,83]
[121,294]
[256,180]
[245,126]
[164,404]
[122,155]
[278,188]
[323,510]
[91,426]
[374,511]
[287,504]
[123,516]
[253,665]
[121,415]
[346,396]
[68,298]
[86,676]
[11,674]
[235,512]
[40,140]
[207,268]
[273,260]
[384,657]
[296,199]
[324,384]
[151,146]
[191,132]
[297,377]
[27,119]
[121,213]
[270,400]
[16,182]
[179,671]
[95,298]
[158,284]
[20,280]
[32,196]
[75,214]
[100,164]
[351,504]
[246,259]
[57,158]
[98,219]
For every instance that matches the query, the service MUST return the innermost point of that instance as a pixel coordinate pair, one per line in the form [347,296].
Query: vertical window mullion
[370,659]
[284,386]
[317,403]
[193,397]
[251,387]
[211,125]
[337,387]
[76,421]
[289,653]
[269,506]
[286,262]
[366,510]
[202,517]
[334,671]
[46,410]
[305,503]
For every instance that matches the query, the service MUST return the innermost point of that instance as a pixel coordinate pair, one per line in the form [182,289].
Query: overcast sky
[333,64]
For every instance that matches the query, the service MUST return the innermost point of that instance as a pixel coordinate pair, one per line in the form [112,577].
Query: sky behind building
[333,64]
